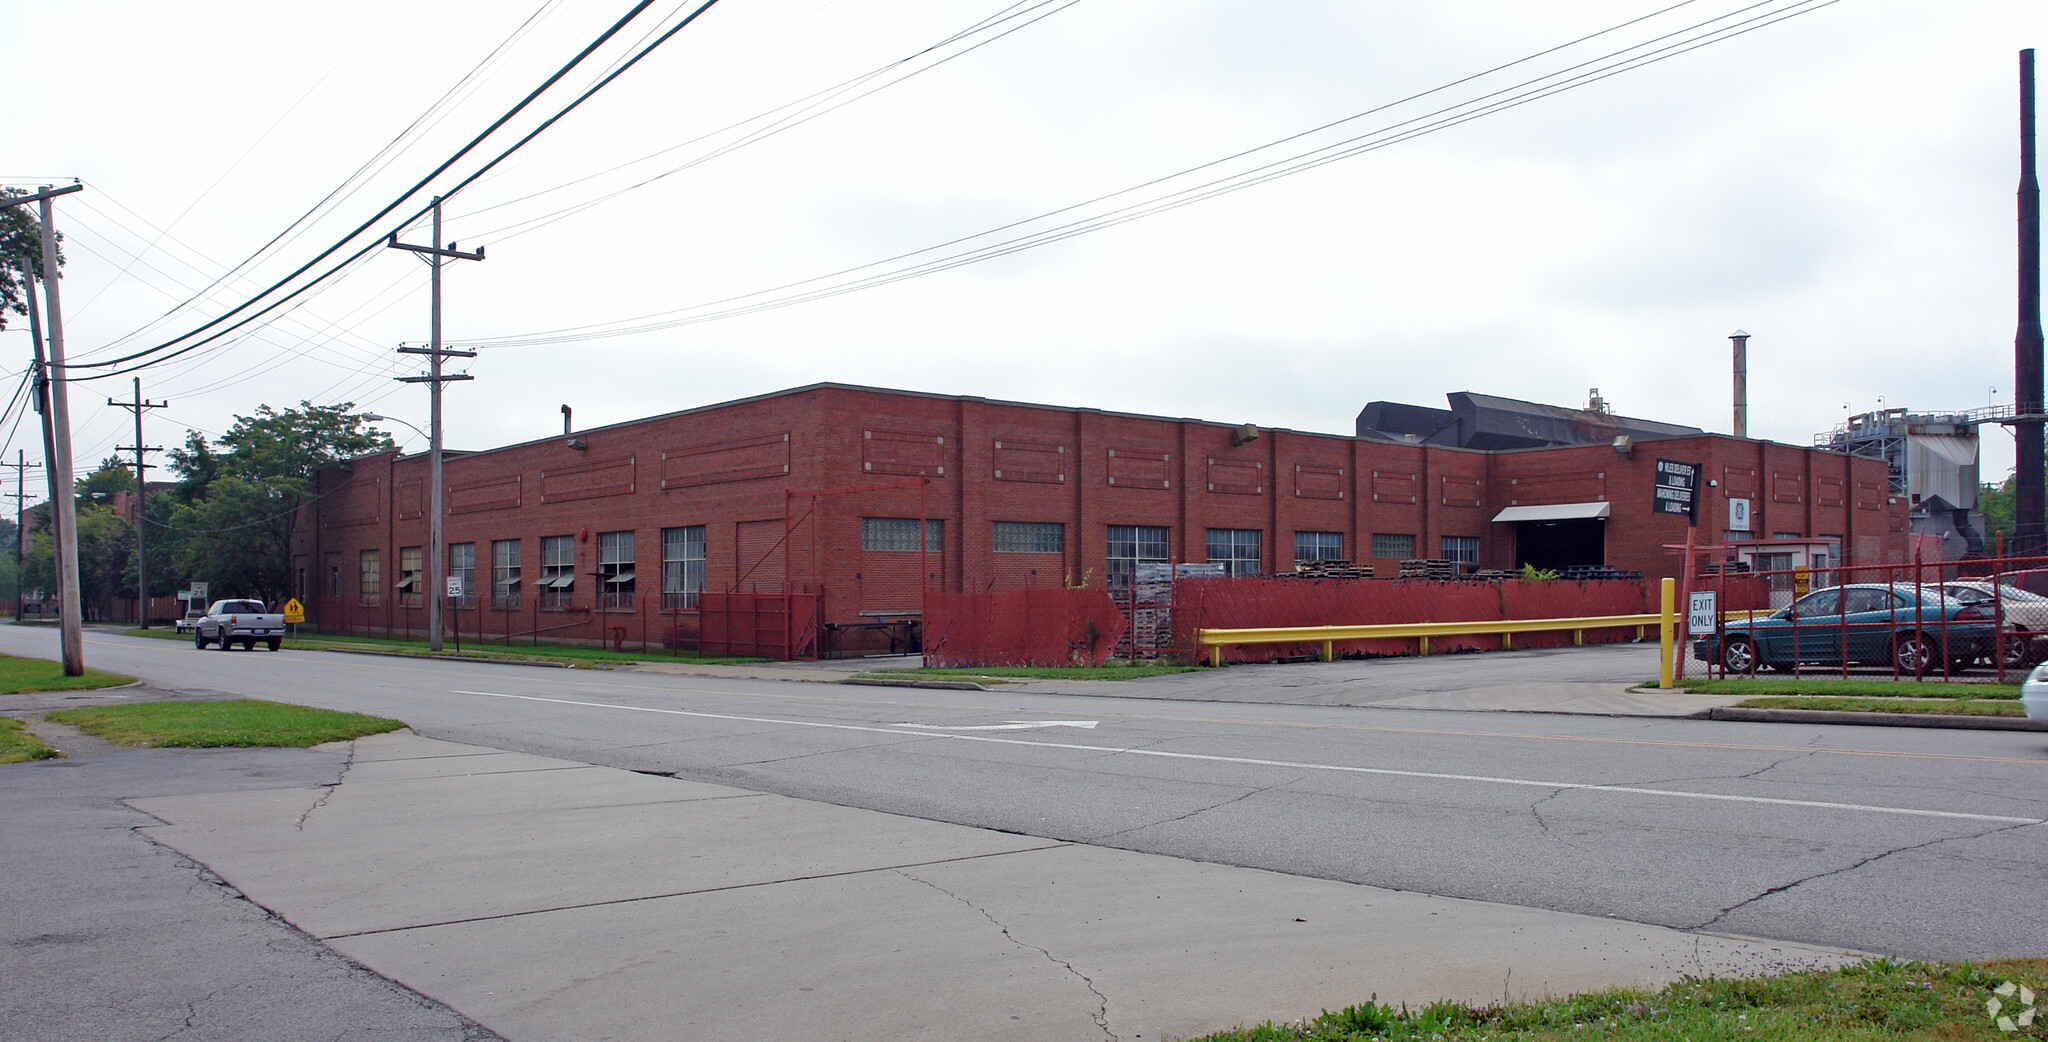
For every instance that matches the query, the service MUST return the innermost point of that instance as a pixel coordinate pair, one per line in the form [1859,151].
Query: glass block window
[900,533]
[370,577]
[1030,537]
[1461,549]
[557,571]
[411,576]
[682,567]
[505,573]
[615,569]
[1236,549]
[1130,546]
[1318,546]
[1393,544]
[462,565]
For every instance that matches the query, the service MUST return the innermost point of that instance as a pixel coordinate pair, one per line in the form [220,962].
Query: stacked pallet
[1429,568]
[1493,575]
[1332,569]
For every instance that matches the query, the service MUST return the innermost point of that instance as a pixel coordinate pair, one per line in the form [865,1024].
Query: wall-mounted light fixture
[577,444]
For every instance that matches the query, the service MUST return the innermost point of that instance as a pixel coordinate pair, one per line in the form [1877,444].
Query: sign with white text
[1701,615]
[1677,482]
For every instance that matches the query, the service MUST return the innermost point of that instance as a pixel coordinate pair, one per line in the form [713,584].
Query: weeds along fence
[749,624]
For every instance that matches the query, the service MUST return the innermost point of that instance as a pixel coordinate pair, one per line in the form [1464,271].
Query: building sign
[1700,613]
[1676,484]
[1738,515]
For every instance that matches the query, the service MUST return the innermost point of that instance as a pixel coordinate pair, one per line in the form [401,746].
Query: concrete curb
[943,685]
[459,658]
[1823,716]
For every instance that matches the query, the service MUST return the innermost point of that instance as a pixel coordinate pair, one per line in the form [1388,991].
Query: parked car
[190,620]
[1912,628]
[2025,640]
[2034,693]
[241,622]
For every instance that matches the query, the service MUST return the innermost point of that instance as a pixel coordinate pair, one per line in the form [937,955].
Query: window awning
[1554,512]
[622,577]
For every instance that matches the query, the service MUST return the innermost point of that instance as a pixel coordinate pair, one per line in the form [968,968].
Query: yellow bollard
[1666,629]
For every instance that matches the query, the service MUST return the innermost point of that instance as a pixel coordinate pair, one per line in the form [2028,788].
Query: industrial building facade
[820,489]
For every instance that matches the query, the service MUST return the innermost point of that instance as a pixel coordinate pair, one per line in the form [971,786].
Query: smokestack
[1741,341]
[2030,511]
[565,419]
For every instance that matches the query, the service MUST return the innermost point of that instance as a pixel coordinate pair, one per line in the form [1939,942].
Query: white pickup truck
[241,622]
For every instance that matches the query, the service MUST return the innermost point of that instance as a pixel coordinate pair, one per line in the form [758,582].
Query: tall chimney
[1741,341]
[2030,511]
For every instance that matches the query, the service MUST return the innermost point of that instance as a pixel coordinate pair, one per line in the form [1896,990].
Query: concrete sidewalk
[549,900]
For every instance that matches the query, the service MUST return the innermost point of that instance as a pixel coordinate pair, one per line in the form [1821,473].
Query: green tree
[105,544]
[20,236]
[239,504]
[112,476]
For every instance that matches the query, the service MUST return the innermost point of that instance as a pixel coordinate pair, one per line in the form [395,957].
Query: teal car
[1911,628]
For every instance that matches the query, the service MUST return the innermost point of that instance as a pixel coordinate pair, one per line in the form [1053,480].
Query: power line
[419,186]
[1621,60]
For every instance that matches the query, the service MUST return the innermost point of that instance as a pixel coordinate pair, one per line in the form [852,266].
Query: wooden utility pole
[57,428]
[436,566]
[141,499]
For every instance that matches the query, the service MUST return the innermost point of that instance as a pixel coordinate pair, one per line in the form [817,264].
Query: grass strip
[1850,688]
[19,746]
[571,654]
[1880,999]
[235,723]
[1937,706]
[36,674]
[1035,672]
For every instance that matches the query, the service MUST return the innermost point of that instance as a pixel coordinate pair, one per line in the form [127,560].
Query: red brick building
[638,518]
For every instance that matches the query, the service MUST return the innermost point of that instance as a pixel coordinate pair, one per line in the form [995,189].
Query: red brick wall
[727,467]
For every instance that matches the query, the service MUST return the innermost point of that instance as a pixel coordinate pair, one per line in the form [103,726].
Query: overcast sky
[1839,184]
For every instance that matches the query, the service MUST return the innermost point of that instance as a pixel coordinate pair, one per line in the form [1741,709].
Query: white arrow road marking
[1385,772]
[1014,725]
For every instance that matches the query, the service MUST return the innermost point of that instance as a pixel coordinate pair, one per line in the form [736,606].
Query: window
[1461,549]
[410,576]
[1030,537]
[682,567]
[1236,549]
[1130,546]
[505,573]
[1321,546]
[1400,547]
[900,533]
[462,565]
[557,571]
[615,568]
[370,581]
[334,587]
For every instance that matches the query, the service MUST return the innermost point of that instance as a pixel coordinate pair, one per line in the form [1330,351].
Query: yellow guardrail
[1217,640]
[1421,632]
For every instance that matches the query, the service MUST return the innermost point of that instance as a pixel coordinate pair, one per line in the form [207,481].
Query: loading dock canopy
[1554,512]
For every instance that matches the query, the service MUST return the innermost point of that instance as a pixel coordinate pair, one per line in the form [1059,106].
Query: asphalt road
[1922,843]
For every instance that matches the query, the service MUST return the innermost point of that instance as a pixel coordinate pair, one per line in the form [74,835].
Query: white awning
[1554,512]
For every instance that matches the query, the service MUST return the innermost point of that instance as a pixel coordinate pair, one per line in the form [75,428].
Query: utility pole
[2030,491]
[57,428]
[141,499]
[436,566]
[20,494]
